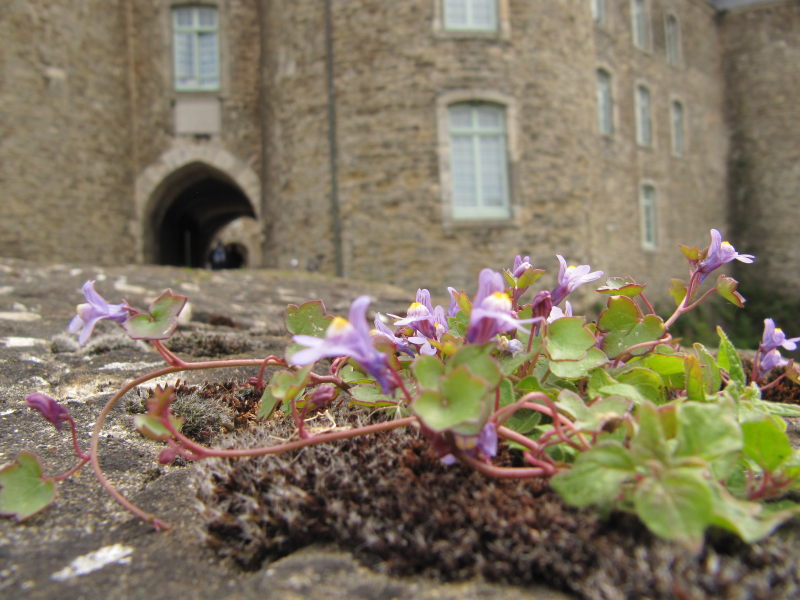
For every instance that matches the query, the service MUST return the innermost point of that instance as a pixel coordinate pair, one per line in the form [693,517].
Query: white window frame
[640,24]
[678,126]
[648,207]
[453,216]
[672,39]
[198,83]
[643,102]
[469,7]
[599,12]
[605,101]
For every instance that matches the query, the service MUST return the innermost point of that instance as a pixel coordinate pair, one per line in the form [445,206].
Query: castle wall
[762,72]
[690,188]
[65,137]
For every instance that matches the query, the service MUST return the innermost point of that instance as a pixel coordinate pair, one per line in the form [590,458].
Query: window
[641,24]
[672,39]
[644,124]
[605,105]
[599,11]
[678,131]
[478,161]
[647,201]
[195,32]
[470,15]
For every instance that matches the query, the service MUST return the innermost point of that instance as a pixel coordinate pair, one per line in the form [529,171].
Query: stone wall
[762,72]
[690,189]
[65,140]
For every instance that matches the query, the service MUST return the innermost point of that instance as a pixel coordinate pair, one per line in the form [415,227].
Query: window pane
[599,11]
[605,116]
[207,17]
[455,14]
[648,201]
[184,56]
[677,128]
[673,40]
[464,175]
[645,134]
[460,117]
[490,117]
[183,16]
[484,14]
[640,24]
[492,166]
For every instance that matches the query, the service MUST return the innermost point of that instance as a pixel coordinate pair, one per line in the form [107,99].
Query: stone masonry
[97,164]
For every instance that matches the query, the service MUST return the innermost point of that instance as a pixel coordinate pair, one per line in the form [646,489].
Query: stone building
[413,141]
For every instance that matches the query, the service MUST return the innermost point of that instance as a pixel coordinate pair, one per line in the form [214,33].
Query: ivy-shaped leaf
[568,339]
[708,430]
[151,427]
[695,386]
[625,326]
[427,370]
[621,286]
[283,388]
[710,369]
[479,361]
[23,490]
[766,443]
[309,318]
[577,369]
[596,477]
[459,406]
[676,505]
[160,321]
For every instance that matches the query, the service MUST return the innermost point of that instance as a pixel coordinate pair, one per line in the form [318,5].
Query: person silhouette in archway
[218,257]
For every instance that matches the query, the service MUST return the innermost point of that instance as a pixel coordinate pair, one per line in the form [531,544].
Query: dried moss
[388,499]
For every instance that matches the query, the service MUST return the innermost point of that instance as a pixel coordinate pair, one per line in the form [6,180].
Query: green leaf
[529,277]
[428,370]
[647,383]
[728,359]
[369,395]
[726,287]
[283,388]
[479,361]
[568,339]
[458,324]
[708,430]
[669,365]
[576,369]
[766,443]
[650,442]
[161,320]
[695,386]
[709,368]
[621,286]
[749,520]
[23,490]
[458,407]
[626,327]
[596,477]
[677,505]
[592,418]
[309,318]
[151,427]
[677,290]
[522,421]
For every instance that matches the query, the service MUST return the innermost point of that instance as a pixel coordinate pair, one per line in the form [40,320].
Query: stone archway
[186,198]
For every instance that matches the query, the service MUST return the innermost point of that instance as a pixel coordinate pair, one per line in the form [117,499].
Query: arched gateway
[186,198]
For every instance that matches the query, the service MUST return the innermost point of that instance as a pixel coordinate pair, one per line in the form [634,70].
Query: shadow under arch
[188,208]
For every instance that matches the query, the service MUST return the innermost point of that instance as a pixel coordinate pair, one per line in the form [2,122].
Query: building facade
[413,142]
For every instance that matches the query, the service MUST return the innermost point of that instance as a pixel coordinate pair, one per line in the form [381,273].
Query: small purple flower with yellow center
[484,445]
[770,360]
[383,331]
[95,309]
[774,338]
[49,408]
[492,310]
[570,278]
[346,337]
[719,253]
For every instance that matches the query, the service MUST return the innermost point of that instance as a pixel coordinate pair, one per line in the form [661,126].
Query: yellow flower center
[338,325]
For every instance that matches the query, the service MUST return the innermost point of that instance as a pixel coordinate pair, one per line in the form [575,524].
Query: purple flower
[570,278]
[770,360]
[492,310]
[382,330]
[556,313]
[94,310]
[717,254]
[346,337]
[774,338]
[428,321]
[521,264]
[482,445]
[50,409]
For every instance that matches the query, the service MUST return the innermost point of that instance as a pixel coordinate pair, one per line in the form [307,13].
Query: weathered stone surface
[38,557]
